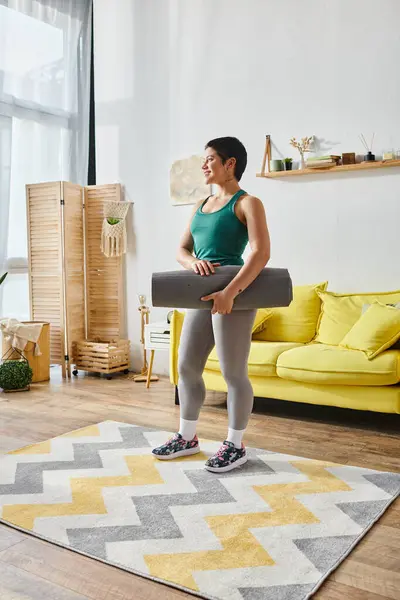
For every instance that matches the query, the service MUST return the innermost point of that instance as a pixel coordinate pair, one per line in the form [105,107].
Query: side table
[156,337]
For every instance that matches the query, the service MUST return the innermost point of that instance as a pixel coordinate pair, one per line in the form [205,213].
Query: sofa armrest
[175,336]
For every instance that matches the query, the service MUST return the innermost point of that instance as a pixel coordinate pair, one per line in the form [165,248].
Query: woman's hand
[204,267]
[223,302]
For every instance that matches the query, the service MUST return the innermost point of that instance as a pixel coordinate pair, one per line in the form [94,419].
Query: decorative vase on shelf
[304,146]
[369,157]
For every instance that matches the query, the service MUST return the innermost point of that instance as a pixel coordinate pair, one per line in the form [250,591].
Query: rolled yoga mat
[183,289]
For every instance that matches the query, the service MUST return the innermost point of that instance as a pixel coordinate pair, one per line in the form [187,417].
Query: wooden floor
[33,569]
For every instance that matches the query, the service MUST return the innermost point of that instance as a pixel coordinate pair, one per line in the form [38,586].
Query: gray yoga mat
[184,288]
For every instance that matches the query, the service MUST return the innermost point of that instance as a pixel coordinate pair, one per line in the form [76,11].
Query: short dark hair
[230,147]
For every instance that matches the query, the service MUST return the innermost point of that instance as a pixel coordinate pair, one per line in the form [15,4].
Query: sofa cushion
[377,329]
[262,316]
[325,364]
[396,345]
[339,312]
[296,322]
[262,357]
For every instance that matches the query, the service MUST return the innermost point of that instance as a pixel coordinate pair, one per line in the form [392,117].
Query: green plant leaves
[15,374]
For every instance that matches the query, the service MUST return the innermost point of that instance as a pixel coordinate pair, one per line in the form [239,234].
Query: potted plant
[2,278]
[15,375]
[288,163]
[276,164]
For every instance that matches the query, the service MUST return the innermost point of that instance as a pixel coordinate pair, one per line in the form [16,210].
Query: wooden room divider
[72,284]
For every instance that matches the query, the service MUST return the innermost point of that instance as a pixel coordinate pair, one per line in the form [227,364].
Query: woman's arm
[259,240]
[254,213]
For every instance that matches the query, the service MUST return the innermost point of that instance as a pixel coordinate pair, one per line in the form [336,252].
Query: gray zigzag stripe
[155,516]
[389,482]
[277,592]
[29,476]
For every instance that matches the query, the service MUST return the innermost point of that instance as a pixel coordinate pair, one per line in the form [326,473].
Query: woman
[217,234]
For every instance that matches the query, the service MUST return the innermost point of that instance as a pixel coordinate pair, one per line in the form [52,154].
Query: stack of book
[322,162]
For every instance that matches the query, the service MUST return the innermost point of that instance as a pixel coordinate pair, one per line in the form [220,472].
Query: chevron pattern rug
[273,529]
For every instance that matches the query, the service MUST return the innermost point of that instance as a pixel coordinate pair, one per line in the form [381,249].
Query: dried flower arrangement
[303,147]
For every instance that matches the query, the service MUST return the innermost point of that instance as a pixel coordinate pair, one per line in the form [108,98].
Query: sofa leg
[176,396]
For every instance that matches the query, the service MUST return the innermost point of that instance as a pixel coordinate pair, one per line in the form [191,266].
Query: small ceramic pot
[276,165]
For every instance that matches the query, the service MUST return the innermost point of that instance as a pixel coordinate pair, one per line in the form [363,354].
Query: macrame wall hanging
[113,235]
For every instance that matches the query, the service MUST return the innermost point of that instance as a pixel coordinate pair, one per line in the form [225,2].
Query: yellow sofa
[296,354]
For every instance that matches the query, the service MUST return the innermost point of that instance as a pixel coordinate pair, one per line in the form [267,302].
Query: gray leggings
[231,334]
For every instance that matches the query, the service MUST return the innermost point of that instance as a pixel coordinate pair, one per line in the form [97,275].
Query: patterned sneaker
[176,447]
[227,458]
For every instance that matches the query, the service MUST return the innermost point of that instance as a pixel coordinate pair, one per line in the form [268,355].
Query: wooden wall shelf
[339,169]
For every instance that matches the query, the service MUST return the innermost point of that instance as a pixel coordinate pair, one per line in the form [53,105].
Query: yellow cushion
[377,329]
[262,357]
[339,312]
[318,363]
[262,316]
[296,322]
[396,345]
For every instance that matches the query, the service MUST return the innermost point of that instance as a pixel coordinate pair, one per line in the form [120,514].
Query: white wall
[171,74]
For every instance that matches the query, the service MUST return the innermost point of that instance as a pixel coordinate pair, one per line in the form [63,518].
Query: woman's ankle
[187,429]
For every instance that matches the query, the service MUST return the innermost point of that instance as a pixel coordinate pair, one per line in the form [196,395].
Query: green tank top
[219,236]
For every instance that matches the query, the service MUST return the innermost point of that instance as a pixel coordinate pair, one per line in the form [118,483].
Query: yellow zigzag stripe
[45,447]
[86,494]
[240,548]
[89,431]
[41,448]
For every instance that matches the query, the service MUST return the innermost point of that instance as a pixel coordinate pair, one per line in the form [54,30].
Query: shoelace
[172,439]
[220,452]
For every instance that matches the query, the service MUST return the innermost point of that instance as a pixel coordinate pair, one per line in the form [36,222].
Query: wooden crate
[102,357]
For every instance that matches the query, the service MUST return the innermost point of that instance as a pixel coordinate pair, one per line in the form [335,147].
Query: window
[44,119]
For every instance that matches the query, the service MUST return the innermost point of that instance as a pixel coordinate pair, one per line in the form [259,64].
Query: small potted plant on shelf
[276,164]
[15,375]
[288,163]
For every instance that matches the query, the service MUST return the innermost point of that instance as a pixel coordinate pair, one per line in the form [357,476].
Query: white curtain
[5,172]
[44,118]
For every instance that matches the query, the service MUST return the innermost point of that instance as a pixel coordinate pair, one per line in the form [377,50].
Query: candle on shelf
[388,154]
